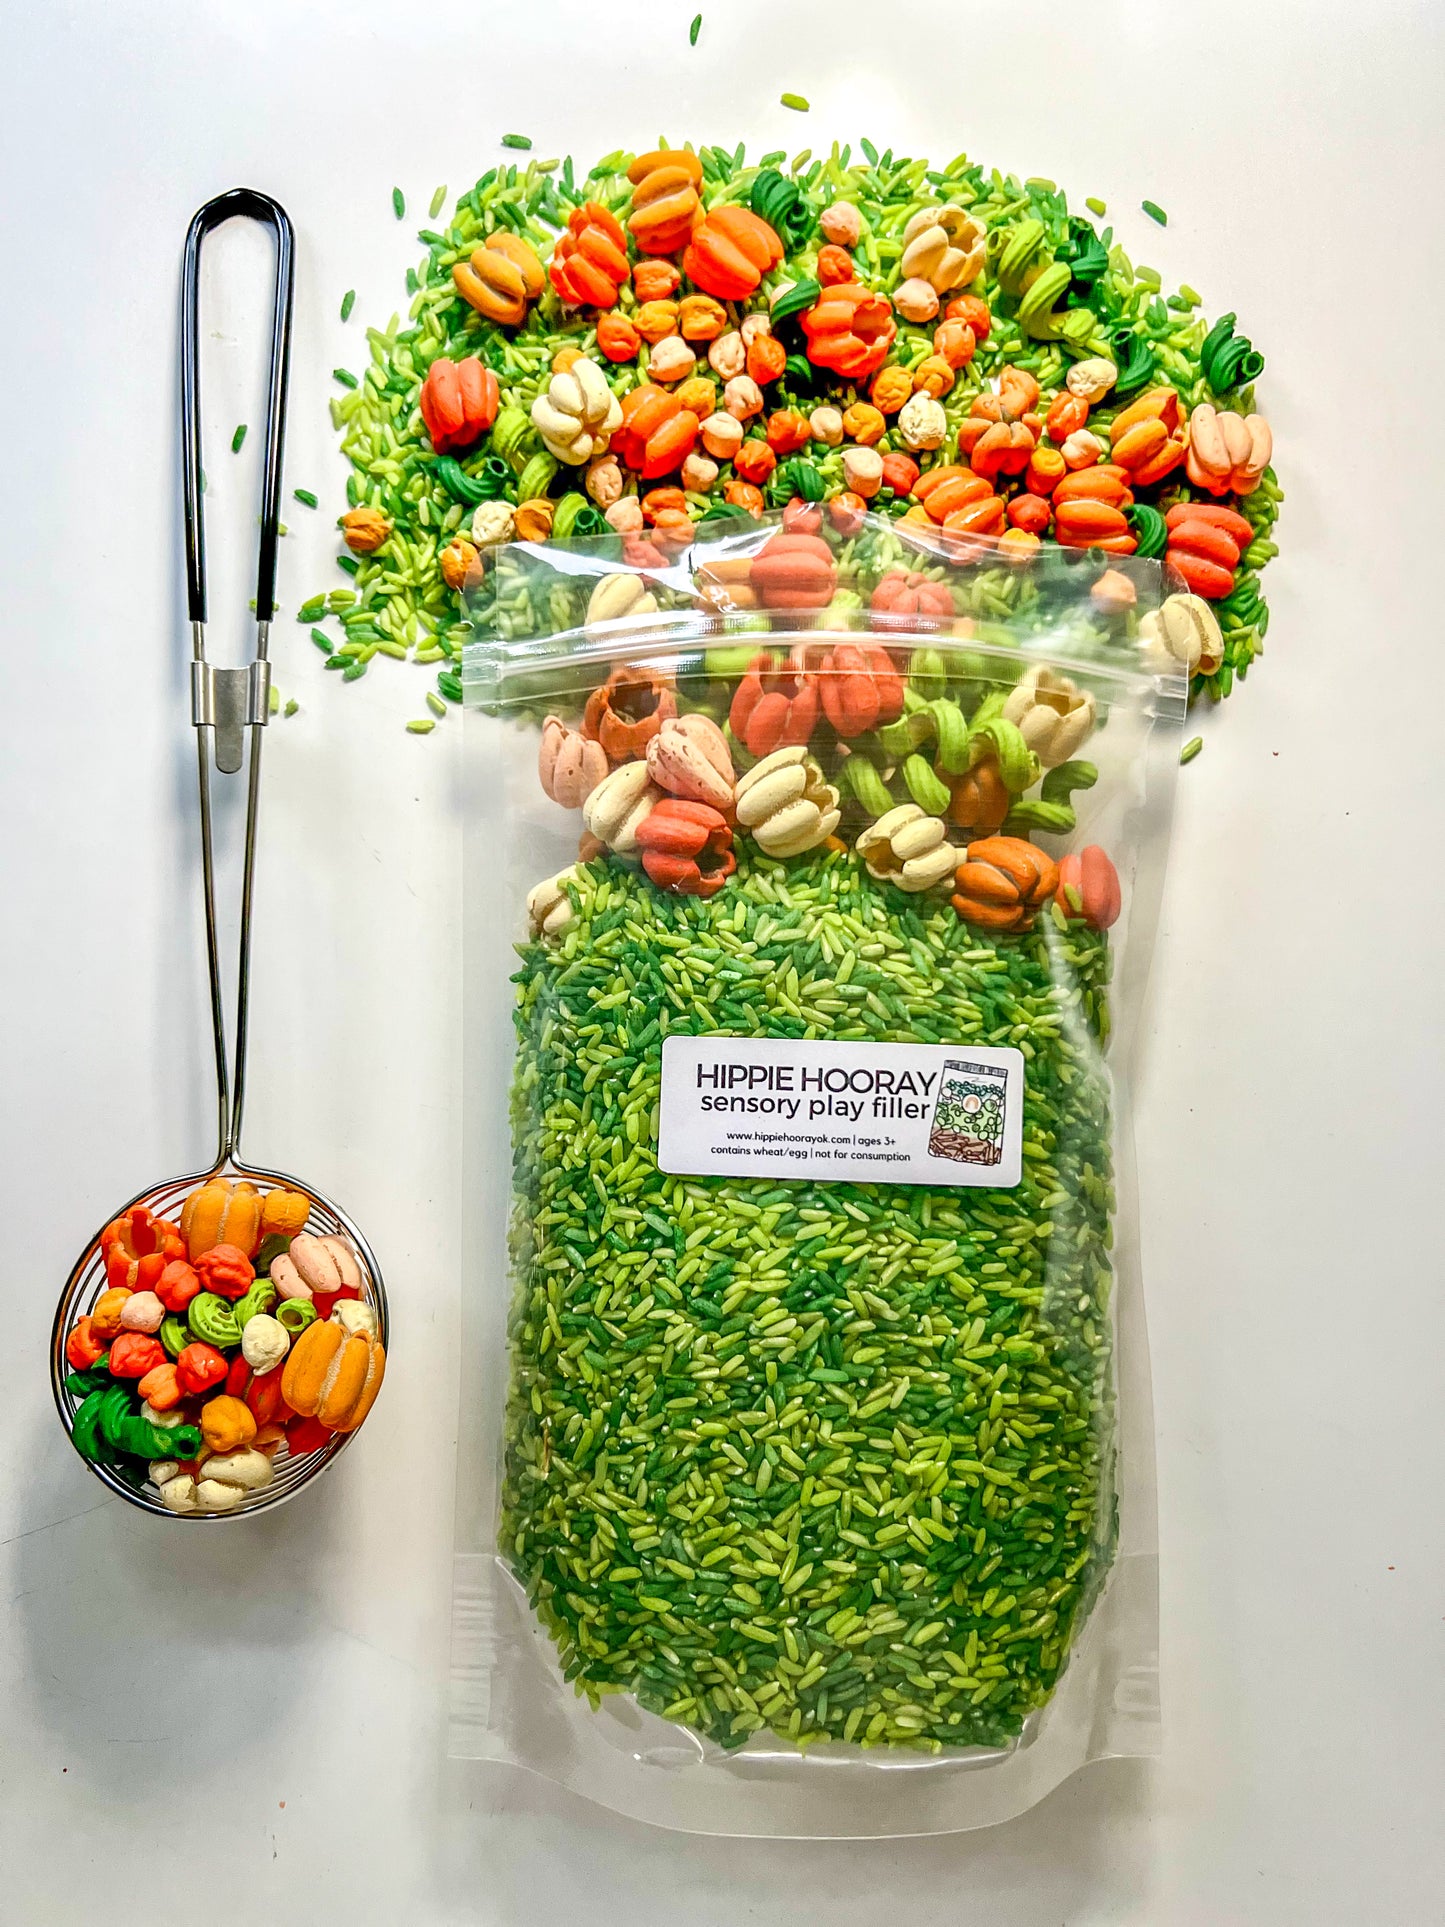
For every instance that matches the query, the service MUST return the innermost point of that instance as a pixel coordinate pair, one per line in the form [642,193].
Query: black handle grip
[254,206]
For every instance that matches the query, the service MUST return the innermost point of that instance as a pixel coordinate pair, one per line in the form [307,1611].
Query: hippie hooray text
[782,1090]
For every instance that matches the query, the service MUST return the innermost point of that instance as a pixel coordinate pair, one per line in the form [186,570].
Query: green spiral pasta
[295,1314]
[212,1318]
[260,1297]
[174,1334]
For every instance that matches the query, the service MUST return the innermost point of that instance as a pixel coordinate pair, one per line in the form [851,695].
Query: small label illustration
[970,1113]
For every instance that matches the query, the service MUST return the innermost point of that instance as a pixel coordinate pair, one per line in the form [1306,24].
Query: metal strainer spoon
[225,704]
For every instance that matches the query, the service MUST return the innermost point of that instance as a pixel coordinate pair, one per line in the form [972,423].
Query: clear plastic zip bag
[807,1467]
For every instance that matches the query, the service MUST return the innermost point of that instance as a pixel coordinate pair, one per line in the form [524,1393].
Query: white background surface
[247,1724]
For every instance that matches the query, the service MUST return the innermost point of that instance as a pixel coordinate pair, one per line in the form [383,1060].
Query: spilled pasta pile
[684,336]
[834,1461]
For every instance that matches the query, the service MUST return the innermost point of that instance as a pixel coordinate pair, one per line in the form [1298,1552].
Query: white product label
[852,1113]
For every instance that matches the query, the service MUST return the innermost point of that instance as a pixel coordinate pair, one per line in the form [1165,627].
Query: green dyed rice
[522,141]
[398,203]
[830,1460]
[305,496]
[1155,212]
[438,201]
[1191,749]
[421,726]
[1096,206]
[348,302]
[238,438]
[797,102]
[391,457]
[694,30]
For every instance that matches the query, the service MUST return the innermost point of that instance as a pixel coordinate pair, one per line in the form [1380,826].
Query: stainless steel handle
[226,703]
